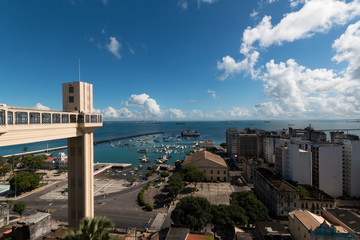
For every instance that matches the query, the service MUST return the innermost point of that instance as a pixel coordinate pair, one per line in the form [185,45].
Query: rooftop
[352,220]
[204,155]
[280,184]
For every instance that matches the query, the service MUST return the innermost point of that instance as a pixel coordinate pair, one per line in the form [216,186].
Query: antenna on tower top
[79,69]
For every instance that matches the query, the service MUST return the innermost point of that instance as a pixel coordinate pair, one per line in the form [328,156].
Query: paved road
[121,207]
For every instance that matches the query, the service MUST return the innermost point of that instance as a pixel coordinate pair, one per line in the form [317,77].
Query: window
[10,117]
[71,89]
[2,116]
[224,172]
[73,118]
[34,117]
[46,118]
[56,118]
[100,118]
[71,99]
[21,117]
[87,117]
[211,171]
[93,118]
[65,118]
[218,172]
[80,118]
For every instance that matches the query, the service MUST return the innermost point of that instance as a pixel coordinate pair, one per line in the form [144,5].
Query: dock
[37,151]
[134,136]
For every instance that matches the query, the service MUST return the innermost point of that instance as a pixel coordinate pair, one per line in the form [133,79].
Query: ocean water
[213,130]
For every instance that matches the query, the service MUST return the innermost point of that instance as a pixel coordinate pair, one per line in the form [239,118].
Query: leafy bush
[142,201]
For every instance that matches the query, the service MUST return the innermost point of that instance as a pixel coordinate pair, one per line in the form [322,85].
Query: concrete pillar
[80,179]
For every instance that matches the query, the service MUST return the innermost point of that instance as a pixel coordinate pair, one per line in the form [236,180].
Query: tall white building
[351,167]
[296,164]
[269,144]
[327,167]
[232,135]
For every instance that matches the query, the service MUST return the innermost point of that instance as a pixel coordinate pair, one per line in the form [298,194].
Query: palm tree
[96,228]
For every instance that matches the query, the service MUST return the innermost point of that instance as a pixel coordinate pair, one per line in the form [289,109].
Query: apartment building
[232,142]
[351,167]
[327,167]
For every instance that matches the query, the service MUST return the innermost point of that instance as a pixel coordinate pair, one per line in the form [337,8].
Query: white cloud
[295,3]
[42,107]
[196,114]
[229,66]
[315,16]
[253,14]
[174,113]
[239,112]
[103,31]
[151,108]
[123,113]
[114,47]
[131,50]
[192,100]
[348,49]
[213,94]
[96,110]
[219,114]
[182,4]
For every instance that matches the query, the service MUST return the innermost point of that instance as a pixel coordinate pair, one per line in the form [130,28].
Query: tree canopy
[33,162]
[175,184]
[253,207]
[193,174]
[223,145]
[25,181]
[19,207]
[193,212]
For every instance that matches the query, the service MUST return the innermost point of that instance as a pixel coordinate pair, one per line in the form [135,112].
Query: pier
[47,150]
[134,136]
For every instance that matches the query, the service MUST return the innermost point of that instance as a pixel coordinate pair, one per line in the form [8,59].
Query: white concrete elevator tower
[77,96]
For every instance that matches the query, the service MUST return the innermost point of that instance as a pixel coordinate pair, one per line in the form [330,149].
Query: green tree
[193,174]
[223,145]
[19,208]
[221,217]
[97,228]
[193,212]
[13,161]
[164,174]
[148,174]
[211,149]
[254,208]
[131,180]
[24,181]
[175,185]
[303,192]
[178,163]
[4,169]
[2,160]
[33,162]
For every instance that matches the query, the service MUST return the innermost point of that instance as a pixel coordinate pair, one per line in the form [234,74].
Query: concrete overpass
[76,122]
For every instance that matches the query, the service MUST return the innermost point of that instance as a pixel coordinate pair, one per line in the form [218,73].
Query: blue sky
[186,59]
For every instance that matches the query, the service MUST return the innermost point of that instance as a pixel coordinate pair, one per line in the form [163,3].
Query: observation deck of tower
[76,122]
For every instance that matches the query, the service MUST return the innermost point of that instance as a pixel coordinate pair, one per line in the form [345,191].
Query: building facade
[279,196]
[213,166]
[351,168]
